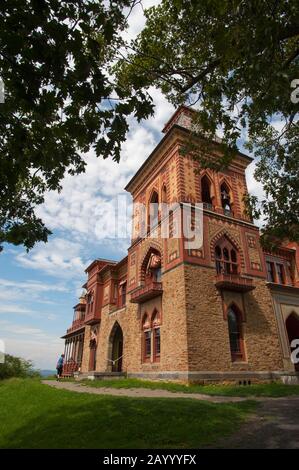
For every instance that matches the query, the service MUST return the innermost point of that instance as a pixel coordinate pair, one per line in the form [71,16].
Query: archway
[292,326]
[116,348]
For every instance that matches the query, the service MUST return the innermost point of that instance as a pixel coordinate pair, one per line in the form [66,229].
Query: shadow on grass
[62,419]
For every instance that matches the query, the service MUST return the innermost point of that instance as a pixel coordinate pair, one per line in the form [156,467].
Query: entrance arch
[292,327]
[116,348]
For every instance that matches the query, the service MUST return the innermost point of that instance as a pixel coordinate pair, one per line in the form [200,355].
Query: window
[157,344]
[226,259]
[123,294]
[156,274]
[206,192]
[270,271]
[153,213]
[90,302]
[226,199]
[280,273]
[235,334]
[147,345]
[151,344]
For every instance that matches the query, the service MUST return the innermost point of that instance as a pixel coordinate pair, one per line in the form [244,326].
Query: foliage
[38,416]
[237,60]
[55,59]
[16,367]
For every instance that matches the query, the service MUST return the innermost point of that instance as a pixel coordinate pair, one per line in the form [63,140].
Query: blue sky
[39,289]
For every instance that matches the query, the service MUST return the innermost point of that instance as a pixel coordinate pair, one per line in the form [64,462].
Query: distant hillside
[45,372]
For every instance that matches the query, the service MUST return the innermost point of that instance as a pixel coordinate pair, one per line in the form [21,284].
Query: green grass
[33,415]
[274,389]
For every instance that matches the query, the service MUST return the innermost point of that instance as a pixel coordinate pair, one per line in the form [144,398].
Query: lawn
[33,415]
[274,389]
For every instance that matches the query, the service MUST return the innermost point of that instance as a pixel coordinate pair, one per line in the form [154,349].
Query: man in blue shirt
[59,366]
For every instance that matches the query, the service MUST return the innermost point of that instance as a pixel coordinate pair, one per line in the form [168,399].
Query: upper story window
[275,272]
[89,300]
[226,258]
[153,212]
[226,199]
[280,273]
[270,271]
[206,196]
[122,294]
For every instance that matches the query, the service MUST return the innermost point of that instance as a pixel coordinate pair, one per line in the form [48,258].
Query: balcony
[146,292]
[92,317]
[234,282]
[76,325]
[70,367]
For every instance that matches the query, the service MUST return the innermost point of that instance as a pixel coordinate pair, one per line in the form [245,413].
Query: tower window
[226,259]
[270,271]
[226,199]
[206,192]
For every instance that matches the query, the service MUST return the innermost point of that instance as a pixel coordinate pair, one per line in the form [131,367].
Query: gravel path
[138,392]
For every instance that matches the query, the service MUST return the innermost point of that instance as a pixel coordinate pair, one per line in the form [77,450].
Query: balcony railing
[92,317]
[234,282]
[70,367]
[146,292]
[76,325]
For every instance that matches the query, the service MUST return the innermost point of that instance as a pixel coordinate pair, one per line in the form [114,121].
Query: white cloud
[59,257]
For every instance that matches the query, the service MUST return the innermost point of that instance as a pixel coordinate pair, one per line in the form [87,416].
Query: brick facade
[166,310]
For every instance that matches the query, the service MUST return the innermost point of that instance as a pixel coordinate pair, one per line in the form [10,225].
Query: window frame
[236,356]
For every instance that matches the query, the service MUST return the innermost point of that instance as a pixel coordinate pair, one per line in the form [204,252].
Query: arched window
[156,336]
[206,192]
[226,199]
[164,194]
[153,212]
[226,258]
[147,339]
[235,334]
[151,344]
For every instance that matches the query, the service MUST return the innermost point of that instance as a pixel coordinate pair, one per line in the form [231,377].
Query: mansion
[223,311]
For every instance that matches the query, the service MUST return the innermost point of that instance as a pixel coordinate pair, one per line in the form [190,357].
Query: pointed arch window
[147,339]
[153,210]
[206,195]
[226,199]
[234,321]
[151,343]
[226,258]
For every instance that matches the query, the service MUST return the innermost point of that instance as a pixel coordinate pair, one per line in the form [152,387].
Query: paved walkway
[137,392]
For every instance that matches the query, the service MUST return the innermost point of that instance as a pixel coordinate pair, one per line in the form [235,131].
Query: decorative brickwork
[165,311]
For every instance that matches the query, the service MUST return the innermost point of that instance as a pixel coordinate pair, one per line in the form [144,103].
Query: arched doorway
[292,326]
[116,348]
[92,355]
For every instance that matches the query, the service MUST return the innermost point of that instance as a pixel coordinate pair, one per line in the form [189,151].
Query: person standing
[59,366]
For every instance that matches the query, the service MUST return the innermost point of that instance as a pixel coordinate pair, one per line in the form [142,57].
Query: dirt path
[275,426]
[138,392]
